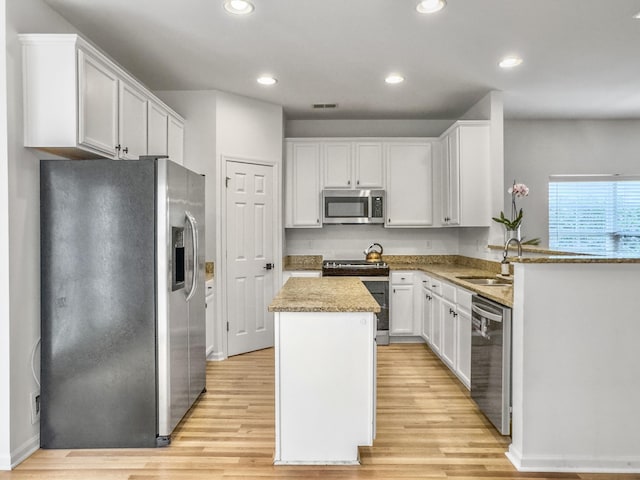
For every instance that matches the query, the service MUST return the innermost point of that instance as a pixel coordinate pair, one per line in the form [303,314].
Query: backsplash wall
[348,241]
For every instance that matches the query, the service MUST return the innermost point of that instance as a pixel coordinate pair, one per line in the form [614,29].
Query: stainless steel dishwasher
[491,361]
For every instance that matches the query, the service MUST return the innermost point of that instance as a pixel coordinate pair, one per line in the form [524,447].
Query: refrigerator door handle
[194,239]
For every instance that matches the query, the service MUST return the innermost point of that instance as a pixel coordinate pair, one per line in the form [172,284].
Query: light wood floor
[427,428]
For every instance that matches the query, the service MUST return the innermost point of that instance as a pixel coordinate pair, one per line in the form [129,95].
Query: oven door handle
[485,314]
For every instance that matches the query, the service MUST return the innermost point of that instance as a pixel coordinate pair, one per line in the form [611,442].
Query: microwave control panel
[377,210]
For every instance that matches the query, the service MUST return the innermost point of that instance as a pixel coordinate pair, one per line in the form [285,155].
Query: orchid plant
[517,190]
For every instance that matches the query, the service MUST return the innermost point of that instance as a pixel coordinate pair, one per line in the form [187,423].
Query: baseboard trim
[407,339]
[5,463]
[24,451]
[215,356]
[575,464]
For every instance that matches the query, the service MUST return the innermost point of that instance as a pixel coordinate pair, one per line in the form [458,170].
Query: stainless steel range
[375,276]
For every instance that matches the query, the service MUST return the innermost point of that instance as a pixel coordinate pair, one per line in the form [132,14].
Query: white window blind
[595,214]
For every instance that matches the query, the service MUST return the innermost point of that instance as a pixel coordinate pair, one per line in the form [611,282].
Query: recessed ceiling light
[430,6]
[267,80]
[637,16]
[510,62]
[238,7]
[394,78]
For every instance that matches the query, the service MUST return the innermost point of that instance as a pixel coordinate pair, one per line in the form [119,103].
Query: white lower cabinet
[427,309]
[446,324]
[401,300]
[436,316]
[463,353]
[449,330]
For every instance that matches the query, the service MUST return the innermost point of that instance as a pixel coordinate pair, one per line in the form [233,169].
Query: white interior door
[250,253]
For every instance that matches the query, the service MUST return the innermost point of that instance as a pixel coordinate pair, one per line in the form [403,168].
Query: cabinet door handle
[348,182]
[358,182]
[125,150]
[389,220]
[317,220]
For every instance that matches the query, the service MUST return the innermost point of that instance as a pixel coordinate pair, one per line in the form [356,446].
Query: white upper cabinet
[465,174]
[303,185]
[157,119]
[369,165]
[175,140]
[80,104]
[97,105]
[338,169]
[132,127]
[409,184]
[353,164]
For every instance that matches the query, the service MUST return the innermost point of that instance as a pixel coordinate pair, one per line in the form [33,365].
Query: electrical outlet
[34,399]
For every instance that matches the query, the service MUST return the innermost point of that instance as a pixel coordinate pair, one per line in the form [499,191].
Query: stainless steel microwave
[353,206]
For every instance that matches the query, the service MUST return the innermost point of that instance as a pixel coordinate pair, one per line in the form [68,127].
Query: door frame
[220,331]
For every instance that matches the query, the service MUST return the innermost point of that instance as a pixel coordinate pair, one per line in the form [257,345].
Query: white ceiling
[580,56]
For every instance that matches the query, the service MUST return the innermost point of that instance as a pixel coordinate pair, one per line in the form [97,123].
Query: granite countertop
[502,294]
[324,294]
[445,267]
[574,259]
[302,262]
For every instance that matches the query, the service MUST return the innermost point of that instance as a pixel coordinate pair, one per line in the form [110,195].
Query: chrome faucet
[506,247]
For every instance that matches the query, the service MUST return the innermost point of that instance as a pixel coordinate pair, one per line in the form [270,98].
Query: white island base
[325,386]
[576,338]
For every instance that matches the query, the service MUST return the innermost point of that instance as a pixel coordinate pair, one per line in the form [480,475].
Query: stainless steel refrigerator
[122,301]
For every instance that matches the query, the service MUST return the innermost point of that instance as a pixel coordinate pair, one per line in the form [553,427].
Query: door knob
[268,266]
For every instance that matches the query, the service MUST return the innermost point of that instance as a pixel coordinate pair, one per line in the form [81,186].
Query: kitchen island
[575,365]
[325,370]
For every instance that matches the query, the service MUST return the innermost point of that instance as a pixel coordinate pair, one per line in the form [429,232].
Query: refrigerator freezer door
[98,304]
[197,315]
[173,340]
[181,335]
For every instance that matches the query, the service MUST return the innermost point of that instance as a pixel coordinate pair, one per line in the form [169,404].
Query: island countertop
[324,294]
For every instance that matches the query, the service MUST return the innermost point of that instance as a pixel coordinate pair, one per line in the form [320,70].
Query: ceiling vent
[324,106]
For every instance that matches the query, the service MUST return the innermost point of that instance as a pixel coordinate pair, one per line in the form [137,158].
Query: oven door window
[346,207]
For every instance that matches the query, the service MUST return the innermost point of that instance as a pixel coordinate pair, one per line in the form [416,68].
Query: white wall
[474,240]
[535,149]
[248,128]
[245,129]
[22,172]
[347,242]
[5,331]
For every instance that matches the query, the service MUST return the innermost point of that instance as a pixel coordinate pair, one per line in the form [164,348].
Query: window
[597,214]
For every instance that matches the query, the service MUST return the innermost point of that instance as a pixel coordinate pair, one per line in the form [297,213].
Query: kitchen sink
[487,281]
